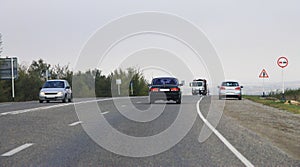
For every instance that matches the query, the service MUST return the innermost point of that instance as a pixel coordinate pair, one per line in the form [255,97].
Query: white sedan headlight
[60,93]
[42,93]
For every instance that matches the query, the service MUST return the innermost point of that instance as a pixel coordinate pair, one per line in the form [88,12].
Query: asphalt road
[50,135]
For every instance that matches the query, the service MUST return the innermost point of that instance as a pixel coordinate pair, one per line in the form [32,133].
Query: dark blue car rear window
[164,81]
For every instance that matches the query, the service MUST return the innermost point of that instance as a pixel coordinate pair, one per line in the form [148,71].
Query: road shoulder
[279,127]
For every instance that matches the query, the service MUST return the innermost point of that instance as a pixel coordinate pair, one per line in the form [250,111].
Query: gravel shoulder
[279,127]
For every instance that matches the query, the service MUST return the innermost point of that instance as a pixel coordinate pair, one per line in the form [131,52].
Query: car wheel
[70,99]
[240,98]
[47,101]
[65,99]
[178,101]
[41,101]
[152,101]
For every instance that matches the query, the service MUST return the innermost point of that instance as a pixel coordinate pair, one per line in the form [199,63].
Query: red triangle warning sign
[263,74]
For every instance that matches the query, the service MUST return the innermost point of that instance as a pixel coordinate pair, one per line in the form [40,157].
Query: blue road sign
[6,68]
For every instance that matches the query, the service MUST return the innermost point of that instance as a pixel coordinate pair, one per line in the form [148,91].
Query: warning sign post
[263,74]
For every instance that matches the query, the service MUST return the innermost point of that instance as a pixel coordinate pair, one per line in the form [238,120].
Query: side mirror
[190,84]
[40,88]
[181,84]
[68,87]
[218,86]
[242,86]
[149,85]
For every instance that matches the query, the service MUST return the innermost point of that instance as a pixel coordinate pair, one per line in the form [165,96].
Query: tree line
[90,83]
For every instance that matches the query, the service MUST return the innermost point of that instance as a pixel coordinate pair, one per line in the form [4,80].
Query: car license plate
[164,90]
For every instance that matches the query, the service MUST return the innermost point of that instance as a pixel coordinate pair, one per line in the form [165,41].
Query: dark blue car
[165,88]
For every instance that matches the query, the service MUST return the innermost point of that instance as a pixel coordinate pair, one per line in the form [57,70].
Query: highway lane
[16,106]
[58,139]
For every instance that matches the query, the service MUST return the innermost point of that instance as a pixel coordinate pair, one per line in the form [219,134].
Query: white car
[230,89]
[55,90]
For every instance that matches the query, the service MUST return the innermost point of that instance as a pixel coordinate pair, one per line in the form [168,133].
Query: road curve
[54,137]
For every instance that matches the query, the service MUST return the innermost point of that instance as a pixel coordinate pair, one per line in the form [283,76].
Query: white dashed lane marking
[106,112]
[75,123]
[16,150]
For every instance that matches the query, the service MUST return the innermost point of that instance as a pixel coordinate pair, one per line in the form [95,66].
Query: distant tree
[27,86]
[38,68]
[61,72]
[84,84]
[30,81]
[102,85]
[140,85]
[131,75]
[5,90]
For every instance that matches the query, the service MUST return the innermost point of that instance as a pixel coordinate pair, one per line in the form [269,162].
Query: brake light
[222,88]
[238,88]
[154,89]
[175,89]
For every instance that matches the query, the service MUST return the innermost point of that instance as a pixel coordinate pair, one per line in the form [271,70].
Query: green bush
[87,84]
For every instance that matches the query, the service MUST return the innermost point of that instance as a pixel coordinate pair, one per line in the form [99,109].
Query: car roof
[229,81]
[165,78]
[56,80]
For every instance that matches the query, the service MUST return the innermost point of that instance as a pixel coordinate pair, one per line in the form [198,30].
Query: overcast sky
[247,35]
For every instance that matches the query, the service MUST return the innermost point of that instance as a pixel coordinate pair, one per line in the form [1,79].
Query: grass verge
[275,103]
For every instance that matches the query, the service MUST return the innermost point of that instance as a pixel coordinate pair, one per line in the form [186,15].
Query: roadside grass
[290,94]
[273,102]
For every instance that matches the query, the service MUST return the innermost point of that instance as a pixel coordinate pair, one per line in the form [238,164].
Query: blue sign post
[6,67]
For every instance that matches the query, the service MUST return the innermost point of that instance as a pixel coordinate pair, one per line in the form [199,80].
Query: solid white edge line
[33,109]
[16,150]
[75,123]
[244,160]
[62,105]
